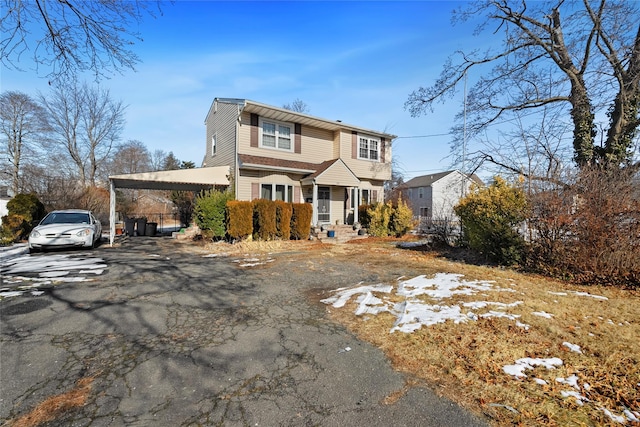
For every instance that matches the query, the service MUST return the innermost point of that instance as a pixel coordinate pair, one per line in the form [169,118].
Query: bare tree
[583,56]
[86,124]
[298,105]
[68,37]
[132,157]
[157,158]
[23,122]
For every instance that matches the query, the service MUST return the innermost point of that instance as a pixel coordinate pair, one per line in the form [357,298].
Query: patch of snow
[580,399]
[615,418]
[571,381]
[528,363]
[413,315]
[442,285]
[542,314]
[540,381]
[343,295]
[573,347]
[9,294]
[563,294]
[522,325]
[586,294]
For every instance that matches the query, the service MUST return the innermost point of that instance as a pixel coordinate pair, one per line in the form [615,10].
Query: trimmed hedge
[284,212]
[239,219]
[264,219]
[301,221]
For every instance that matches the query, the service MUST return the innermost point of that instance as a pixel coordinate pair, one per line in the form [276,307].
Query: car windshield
[66,218]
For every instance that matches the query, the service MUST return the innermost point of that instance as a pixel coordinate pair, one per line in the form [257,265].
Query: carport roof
[181,179]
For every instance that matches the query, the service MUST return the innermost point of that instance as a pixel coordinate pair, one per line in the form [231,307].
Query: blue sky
[356,61]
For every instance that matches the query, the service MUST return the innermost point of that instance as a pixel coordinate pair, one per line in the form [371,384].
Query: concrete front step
[339,234]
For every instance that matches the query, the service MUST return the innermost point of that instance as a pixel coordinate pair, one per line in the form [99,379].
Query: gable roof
[428,180]
[285,115]
[333,172]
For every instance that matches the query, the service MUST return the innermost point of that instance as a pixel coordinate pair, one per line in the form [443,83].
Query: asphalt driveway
[165,335]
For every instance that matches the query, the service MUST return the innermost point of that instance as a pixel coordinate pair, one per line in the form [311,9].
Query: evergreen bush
[24,213]
[489,217]
[301,221]
[401,221]
[284,211]
[209,213]
[264,219]
[239,219]
[379,217]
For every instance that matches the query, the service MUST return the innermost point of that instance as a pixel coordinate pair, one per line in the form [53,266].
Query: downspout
[236,157]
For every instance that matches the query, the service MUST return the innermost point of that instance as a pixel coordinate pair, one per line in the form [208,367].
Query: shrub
[489,216]
[239,219]
[264,219]
[28,206]
[25,211]
[363,215]
[301,220]
[589,231]
[401,221]
[209,213]
[284,212]
[13,229]
[379,217]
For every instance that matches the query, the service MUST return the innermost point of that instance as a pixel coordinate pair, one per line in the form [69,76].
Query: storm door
[324,205]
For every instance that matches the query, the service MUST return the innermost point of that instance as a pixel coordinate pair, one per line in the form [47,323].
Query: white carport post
[112,211]
[314,203]
[356,194]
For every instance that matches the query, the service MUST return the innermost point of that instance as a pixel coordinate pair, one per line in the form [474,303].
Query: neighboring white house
[432,197]
[4,199]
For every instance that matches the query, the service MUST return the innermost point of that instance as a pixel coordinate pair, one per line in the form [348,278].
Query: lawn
[521,349]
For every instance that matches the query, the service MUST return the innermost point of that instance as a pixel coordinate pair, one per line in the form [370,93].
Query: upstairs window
[276,135]
[369,148]
[213,145]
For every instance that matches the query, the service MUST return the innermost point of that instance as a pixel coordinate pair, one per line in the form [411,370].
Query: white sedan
[66,228]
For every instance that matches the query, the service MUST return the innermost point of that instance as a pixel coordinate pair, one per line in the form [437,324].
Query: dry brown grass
[464,361]
[54,406]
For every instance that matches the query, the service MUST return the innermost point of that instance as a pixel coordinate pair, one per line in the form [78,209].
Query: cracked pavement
[166,336]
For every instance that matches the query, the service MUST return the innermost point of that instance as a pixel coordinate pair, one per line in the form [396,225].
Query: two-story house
[433,196]
[277,154]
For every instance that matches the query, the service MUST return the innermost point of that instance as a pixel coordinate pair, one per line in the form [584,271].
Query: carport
[196,179]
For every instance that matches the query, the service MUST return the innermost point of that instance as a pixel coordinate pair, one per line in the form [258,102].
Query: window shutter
[296,194]
[374,196]
[354,144]
[255,190]
[254,130]
[382,149]
[297,144]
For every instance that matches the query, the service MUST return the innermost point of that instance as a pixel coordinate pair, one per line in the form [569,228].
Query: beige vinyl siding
[365,169]
[317,144]
[247,177]
[337,205]
[337,174]
[221,122]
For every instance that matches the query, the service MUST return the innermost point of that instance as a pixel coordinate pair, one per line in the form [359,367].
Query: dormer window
[369,148]
[275,134]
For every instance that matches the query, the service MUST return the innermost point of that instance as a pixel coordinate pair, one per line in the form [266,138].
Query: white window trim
[273,191]
[277,123]
[369,139]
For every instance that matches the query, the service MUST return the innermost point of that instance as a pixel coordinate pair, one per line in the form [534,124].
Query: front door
[324,205]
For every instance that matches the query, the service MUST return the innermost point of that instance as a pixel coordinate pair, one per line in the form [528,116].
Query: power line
[423,136]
